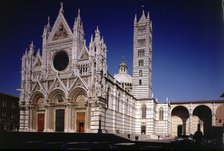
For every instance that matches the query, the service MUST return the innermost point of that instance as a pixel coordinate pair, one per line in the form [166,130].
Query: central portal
[80,122]
[60,120]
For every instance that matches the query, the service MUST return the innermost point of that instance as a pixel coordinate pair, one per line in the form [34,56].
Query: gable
[78,83]
[60,30]
[37,62]
[84,55]
[58,83]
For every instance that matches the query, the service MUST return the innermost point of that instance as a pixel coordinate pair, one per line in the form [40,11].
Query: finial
[79,12]
[135,20]
[91,39]
[167,99]
[38,51]
[143,12]
[48,21]
[31,45]
[97,29]
[148,15]
[61,9]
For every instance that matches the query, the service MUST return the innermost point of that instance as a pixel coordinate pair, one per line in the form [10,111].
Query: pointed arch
[78,94]
[37,97]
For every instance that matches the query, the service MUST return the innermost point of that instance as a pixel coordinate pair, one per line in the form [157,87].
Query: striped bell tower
[142,57]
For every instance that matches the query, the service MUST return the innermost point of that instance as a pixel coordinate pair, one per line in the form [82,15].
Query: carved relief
[60,33]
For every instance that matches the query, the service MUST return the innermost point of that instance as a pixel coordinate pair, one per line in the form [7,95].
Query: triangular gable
[38,86]
[84,55]
[58,83]
[78,83]
[37,62]
[60,30]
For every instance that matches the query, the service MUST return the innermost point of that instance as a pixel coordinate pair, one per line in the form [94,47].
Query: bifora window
[60,60]
[140,62]
[141,53]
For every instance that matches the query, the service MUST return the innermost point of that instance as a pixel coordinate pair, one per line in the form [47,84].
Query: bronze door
[60,116]
[40,122]
[80,122]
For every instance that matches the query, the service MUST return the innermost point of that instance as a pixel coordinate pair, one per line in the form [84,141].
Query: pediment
[60,30]
[57,84]
[78,83]
[38,86]
[84,55]
[37,62]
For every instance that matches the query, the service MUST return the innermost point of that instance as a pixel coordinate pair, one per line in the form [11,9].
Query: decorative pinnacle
[31,45]
[135,20]
[61,9]
[79,12]
[48,21]
[97,29]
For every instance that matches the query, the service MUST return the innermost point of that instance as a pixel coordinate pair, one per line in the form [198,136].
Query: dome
[123,76]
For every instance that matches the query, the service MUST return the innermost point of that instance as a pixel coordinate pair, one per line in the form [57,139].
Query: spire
[84,42]
[135,20]
[38,52]
[102,39]
[78,21]
[91,39]
[97,30]
[143,18]
[143,13]
[61,9]
[148,15]
[31,50]
[48,21]
[97,34]
[78,13]
[31,45]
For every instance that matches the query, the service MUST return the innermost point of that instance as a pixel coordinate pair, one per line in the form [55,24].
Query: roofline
[199,101]
[1,93]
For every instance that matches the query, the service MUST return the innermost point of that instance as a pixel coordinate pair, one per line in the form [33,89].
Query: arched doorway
[57,110]
[180,115]
[204,124]
[80,111]
[37,112]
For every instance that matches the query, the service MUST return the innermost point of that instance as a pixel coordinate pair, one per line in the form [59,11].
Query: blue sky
[188,40]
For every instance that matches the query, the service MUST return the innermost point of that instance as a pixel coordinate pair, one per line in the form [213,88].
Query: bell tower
[142,57]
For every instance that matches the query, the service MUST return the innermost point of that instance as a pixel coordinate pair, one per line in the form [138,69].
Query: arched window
[161,114]
[143,111]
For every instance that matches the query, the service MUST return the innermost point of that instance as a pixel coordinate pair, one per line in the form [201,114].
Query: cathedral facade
[68,87]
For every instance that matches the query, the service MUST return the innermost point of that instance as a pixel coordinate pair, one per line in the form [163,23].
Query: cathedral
[67,88]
